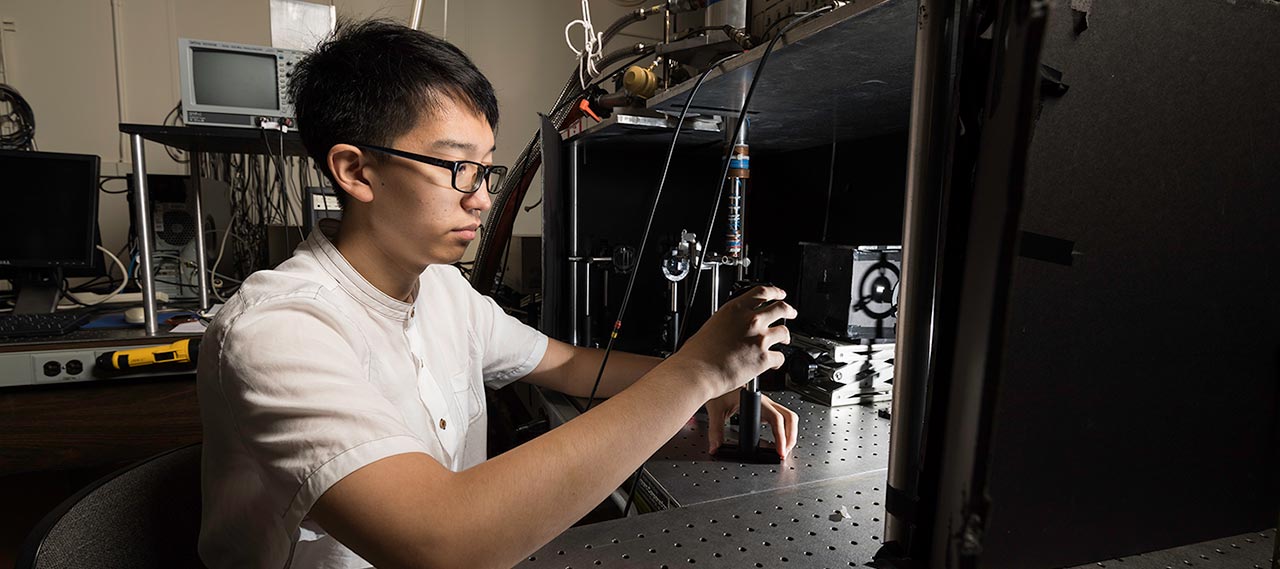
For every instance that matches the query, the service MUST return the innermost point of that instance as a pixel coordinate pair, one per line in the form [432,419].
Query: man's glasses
[468,176]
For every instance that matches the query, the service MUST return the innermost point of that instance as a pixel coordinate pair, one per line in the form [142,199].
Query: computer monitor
[53,198]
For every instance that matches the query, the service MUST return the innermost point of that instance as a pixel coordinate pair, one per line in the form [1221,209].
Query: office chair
[144,516]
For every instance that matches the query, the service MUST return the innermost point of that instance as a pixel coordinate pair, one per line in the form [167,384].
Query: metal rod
[202,281]
[586,304]
[739,172]
[604,289]
[927,163]
[738,200]
[666,39]
[675,316]
[141,212]
[574,151]
[715,288]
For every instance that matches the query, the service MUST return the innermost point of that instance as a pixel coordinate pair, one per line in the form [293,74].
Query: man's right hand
[735,342]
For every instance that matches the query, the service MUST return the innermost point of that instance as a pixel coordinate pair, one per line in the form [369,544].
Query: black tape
[1051,84]
[1080,15]
[901,505]
[1047,249]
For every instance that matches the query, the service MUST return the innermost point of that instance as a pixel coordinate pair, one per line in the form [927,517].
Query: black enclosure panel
[852,196]
[555,235]
[1138,406]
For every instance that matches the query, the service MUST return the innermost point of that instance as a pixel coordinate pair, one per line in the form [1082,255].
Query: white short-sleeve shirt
[310,373]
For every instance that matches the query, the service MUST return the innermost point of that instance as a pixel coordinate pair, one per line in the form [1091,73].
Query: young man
[342,393]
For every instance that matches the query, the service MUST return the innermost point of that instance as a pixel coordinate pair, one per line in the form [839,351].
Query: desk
[55,439]
[196,140]
[787,526]
[832,442]
[794,527]
[721,514]
[737,515]
[83,425]
[63,426]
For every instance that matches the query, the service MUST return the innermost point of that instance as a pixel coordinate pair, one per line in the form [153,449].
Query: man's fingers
[775,360]
[777,335]
[762,294]
[789,426]
[777,311]
[715,434]
[776,422]
[793,426]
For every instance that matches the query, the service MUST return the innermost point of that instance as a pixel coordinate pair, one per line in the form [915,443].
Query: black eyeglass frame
[451,165]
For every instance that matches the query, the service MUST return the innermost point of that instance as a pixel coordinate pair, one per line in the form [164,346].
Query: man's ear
[348,165]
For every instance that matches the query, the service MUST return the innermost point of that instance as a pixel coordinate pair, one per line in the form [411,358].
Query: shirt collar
[351,280]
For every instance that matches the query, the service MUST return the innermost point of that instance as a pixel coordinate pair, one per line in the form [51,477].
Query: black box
[849,292]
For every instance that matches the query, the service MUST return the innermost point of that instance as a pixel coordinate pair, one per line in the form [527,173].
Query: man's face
[417,214]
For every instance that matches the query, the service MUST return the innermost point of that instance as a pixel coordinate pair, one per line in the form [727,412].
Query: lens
[496,174]
[466,177]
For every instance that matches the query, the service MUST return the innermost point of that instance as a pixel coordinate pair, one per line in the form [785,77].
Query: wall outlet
[59,367]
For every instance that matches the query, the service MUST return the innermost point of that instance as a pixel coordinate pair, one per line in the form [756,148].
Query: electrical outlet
[58,367]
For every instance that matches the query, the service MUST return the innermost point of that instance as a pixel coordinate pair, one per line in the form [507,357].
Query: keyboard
[18,325]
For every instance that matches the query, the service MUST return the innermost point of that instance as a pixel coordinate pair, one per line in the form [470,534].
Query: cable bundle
[22,135]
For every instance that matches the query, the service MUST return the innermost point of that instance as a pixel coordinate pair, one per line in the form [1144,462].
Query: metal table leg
[142,213]
[201,263]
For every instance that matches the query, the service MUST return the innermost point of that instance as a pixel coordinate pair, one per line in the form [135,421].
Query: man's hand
[734,344]
[781,420]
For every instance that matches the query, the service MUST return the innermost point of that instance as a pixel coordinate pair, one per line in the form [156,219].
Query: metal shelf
[219,139]
[651,126]
[843,76]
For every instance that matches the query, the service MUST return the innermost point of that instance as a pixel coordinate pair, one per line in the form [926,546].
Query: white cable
[213,270]
[189,264]
[124,280]
[592,45]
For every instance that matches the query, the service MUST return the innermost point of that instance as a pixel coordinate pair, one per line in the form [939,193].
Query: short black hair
[372,81]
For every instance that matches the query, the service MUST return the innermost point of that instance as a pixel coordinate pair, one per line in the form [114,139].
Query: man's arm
[409,511]
[572,370]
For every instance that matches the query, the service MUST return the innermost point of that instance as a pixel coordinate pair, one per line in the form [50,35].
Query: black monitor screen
[234,79]
[50,209]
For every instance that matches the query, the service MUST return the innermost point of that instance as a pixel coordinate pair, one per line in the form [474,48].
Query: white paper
[196,327]
[300,25]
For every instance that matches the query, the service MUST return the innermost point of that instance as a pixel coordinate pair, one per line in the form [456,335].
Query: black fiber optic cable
[648,227]
[742,118]
[635,479]
[631,280]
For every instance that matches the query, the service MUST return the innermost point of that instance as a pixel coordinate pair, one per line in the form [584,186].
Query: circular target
[877,290]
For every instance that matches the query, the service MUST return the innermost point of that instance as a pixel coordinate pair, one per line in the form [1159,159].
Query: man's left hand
[781,420]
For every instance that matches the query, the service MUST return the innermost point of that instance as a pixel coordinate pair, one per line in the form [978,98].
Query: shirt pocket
[466,392]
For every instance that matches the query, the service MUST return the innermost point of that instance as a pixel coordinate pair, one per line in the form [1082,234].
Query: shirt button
[412,311]
[443,425]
